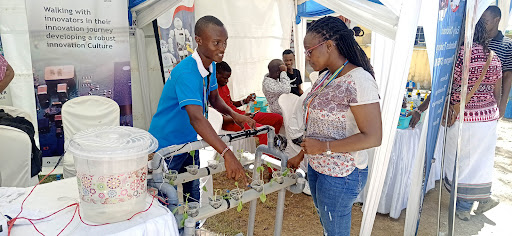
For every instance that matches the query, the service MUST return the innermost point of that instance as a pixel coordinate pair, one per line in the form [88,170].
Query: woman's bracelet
[224,152]
[417,110]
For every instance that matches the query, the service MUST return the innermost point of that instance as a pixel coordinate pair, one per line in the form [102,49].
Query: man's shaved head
[204,22]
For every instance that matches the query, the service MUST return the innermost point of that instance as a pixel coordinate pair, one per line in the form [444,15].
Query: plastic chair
[84,113]
[15,158]
[287,103]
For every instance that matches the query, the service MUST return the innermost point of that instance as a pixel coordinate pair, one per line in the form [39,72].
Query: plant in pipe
[192,169]
[171,176]
[278,176]
[258,184]
[236,194]
[190,208]
[216,200]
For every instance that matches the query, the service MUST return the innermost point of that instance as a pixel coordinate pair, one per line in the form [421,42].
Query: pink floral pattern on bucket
[112,189]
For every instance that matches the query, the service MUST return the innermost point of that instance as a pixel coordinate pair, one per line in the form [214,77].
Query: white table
[395,192]
[48,198]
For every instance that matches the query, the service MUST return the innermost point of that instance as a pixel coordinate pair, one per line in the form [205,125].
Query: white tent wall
[154,81]
[16,45]
[504,6]
[391,104]
[259,31]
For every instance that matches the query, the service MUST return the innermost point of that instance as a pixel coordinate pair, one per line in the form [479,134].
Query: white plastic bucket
[111,171]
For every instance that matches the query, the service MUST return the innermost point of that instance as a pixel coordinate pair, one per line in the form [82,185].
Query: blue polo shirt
[186,86]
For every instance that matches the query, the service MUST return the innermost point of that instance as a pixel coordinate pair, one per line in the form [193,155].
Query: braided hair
[481,36]
[332,28]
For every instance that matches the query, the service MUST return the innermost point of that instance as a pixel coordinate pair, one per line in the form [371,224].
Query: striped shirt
[502,46]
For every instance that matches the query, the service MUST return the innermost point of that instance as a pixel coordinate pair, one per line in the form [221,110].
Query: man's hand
[234,169]
[240,120]
[250,98]
[282,67]
[313,146]
[294,162]
[416,116]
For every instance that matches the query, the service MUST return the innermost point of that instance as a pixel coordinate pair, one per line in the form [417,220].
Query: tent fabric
[250,49]
[311,9]
[16,45]
[391,104]
[376,17]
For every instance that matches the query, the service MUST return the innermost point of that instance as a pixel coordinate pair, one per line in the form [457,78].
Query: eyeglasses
[308,52]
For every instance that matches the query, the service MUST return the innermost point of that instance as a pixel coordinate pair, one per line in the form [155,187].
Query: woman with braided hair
[342,120]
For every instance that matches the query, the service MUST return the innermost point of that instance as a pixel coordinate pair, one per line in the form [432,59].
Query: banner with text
[449,25]
[78,48]
[176,32]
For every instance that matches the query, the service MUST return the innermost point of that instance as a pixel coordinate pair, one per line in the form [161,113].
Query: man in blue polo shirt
[183,107]
[502,46]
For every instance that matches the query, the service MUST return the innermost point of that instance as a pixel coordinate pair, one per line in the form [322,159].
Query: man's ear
[199,41]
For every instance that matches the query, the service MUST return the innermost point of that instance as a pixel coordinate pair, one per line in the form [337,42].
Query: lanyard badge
[323,83]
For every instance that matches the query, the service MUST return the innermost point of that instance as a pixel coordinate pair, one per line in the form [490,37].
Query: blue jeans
[333,198]
[464,205]
[178,163]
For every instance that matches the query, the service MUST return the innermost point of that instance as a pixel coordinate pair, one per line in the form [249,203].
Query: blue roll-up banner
[449,26]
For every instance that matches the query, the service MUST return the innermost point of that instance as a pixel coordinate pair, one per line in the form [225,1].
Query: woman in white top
[342,119]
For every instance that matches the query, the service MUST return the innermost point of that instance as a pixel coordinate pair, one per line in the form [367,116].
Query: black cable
[228,202]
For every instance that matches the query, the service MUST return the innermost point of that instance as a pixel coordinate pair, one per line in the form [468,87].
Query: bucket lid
[112,142]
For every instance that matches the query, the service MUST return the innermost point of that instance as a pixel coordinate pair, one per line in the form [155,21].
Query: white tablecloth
[395,192]
[48,198]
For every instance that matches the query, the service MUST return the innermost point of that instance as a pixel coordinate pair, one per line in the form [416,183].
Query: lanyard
[206,91]
[313,94]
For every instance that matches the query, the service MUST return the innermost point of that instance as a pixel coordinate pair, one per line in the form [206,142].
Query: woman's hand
[313,146]
[294,162]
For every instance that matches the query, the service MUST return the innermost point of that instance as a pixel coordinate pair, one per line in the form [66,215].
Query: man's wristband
[417,110]
[224,152]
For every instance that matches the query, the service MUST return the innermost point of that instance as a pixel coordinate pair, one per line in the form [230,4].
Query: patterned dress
[482,107]
[330,118]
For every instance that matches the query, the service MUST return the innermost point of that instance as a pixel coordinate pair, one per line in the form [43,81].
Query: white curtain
[16,45]
[299,31]
[395,79]
[504,5]
[259,31]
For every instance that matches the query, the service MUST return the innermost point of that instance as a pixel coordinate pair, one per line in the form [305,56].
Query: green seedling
[204,189]
[263,197]
[286,172]
[240,206]
[193,154]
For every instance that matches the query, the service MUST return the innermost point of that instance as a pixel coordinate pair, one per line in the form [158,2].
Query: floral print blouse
[330,118]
